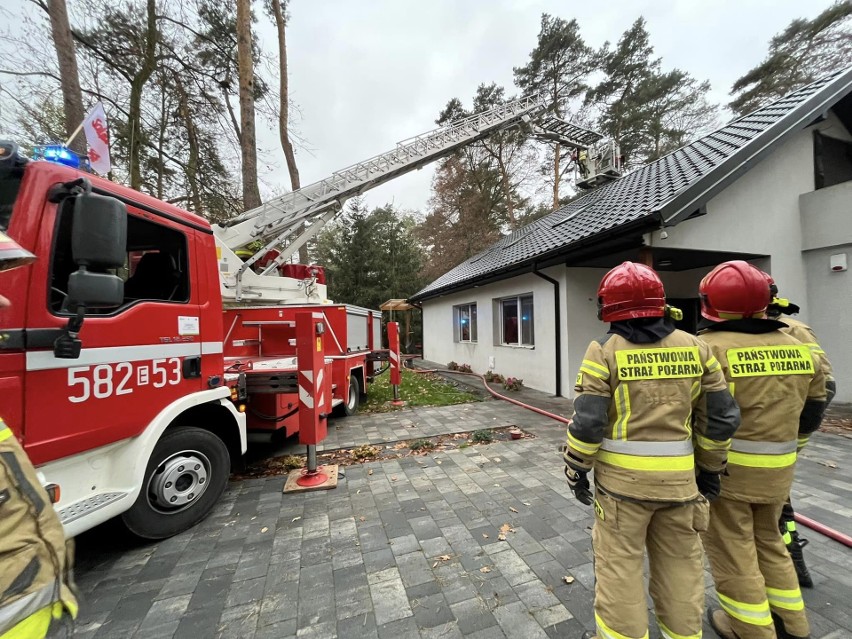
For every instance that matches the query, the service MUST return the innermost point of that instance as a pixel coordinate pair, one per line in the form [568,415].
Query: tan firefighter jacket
[805,334]
[780,388]
[633,416]
[35,561]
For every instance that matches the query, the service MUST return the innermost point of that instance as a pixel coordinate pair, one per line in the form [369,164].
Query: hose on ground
[493,392]
[822,529]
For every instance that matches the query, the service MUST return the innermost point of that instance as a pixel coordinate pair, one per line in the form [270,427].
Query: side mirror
[99,231]
[95,290]
[98,241]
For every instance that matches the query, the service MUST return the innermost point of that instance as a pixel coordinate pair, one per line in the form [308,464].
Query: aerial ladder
[283,224]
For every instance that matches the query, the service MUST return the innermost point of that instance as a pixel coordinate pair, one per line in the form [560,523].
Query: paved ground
[410,548]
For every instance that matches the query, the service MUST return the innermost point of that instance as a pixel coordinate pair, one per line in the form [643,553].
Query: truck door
[136,359]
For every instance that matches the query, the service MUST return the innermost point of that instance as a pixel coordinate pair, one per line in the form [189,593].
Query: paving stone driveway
[409,548]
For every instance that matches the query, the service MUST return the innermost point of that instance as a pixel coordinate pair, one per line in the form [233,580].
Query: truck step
[87,506]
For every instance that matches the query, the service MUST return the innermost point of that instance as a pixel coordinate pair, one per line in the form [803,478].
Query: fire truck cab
[126,412]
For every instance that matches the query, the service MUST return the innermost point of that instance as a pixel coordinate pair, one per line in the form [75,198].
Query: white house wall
[535,365]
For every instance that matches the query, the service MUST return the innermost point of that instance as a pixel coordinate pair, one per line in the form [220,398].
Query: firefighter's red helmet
[629,291]
[734,290]
[12,255]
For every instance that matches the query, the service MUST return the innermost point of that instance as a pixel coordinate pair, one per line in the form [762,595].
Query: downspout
[419,306]
[557,319]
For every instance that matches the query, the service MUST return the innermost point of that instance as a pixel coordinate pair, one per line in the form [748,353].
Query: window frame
[54,240]
[473,318]
[519,305]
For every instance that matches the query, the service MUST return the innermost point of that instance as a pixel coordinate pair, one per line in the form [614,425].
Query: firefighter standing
[35,583]
[637,388]
[805,334]
[780,389]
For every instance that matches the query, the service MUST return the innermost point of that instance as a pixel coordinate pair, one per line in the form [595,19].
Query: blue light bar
[61,154]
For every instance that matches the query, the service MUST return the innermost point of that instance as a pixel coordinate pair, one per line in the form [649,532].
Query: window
[156,268]
[832,161]
[516,321]
[10,184]
[464,322]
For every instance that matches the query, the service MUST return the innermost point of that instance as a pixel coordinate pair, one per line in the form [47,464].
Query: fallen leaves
[393,477]
[362,518]
[485,535]
[504,529]
[826,463]
[264,529]
[440,559]
[568,579]
[514,510]
[485,569]
[294,520]
[380,452]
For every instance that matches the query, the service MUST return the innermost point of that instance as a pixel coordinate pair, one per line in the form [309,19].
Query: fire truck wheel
[350,406]
[185,477]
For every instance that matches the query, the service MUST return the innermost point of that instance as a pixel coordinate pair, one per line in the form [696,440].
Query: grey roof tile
[637,195]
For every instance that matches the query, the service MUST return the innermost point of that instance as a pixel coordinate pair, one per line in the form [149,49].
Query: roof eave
[544,260]
[692,198]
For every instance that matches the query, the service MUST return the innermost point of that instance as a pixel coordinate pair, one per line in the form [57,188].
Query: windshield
[10,184]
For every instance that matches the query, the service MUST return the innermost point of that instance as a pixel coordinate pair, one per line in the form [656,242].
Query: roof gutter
[687,201]
[557,323]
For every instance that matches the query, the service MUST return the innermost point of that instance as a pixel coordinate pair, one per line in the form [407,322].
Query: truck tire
[185,476]
[353,399]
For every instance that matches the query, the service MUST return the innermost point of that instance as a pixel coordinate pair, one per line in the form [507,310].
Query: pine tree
[647,111]
[370,256]
[559,66]
[804,51]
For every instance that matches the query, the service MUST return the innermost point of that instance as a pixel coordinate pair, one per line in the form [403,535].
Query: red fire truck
[140,349]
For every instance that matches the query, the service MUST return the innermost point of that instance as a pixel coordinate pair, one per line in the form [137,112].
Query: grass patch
[415,389]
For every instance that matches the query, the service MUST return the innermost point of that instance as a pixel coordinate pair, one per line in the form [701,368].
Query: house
[773,187]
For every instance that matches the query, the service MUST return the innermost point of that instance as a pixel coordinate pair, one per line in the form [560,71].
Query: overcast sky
[368,74]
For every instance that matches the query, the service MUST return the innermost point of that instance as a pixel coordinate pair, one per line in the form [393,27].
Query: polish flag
[97,136]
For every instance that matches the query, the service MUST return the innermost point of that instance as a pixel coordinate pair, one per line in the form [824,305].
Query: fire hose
[831,533]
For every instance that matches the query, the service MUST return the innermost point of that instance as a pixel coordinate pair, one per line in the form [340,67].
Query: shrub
[422,444]
[482,436]
[513,383]
[365,452]
[291,462]
[465,368]
[491,376]
[452,366]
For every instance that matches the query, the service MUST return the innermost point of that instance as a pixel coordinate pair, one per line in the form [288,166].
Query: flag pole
[76,133]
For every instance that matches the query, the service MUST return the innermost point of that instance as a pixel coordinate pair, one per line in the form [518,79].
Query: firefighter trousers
[752,569]
[623,531]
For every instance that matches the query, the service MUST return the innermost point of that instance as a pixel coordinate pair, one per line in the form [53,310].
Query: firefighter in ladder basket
[637,389]
[780,388]
[805,334]
[35,562]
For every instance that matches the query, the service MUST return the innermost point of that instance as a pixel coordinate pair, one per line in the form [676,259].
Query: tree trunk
[556,153]
[134,120]
[72,97]
[192,140]
[248,140]
[284,110]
